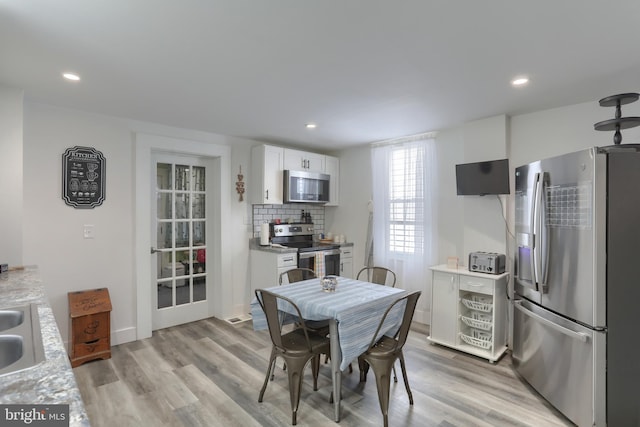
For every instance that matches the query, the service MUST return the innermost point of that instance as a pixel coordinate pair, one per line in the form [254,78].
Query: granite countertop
[51,381]
[254,244]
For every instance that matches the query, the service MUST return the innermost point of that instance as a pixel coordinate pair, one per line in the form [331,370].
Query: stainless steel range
[324,259]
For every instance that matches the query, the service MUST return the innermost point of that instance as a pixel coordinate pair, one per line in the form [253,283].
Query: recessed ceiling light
[311,125]
[520,81]
[71,76]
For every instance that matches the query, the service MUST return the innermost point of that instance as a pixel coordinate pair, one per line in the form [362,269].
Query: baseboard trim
[125,335]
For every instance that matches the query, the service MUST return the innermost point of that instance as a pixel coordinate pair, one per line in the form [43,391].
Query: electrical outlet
[88,231]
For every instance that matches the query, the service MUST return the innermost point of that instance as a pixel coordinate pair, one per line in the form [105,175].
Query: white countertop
[464,270]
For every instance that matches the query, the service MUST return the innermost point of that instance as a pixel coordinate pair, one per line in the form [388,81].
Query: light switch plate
[88,231]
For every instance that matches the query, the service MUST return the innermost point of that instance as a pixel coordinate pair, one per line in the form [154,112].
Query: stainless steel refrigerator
[576,322]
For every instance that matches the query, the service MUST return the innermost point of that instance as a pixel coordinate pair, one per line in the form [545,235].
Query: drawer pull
[92,327]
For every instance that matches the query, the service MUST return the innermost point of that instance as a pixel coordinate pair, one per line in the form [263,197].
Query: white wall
[240,224]
[451,214]
[53,231]
[53,237]
[352,215]
[464,223]
[563,130]
[468,223]
[484,226]
[11,104]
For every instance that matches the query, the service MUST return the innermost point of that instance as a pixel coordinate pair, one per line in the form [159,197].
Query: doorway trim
[144,146]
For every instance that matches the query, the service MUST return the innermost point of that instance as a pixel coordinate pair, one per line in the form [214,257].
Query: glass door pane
[181,239]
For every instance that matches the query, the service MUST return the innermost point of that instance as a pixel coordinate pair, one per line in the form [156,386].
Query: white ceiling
[363,70]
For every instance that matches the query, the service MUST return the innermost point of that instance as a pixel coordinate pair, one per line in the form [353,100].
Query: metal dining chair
[296,347]
[382,354]
[297,275]
[379,275]
[320,327]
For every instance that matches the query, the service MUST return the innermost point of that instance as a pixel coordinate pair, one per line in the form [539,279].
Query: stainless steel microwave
[305,187]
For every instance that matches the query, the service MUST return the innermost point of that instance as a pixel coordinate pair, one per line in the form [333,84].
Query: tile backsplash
[269,213]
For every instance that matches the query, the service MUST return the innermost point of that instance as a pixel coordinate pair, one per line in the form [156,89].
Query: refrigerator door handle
[580,336]
[534,230]
[541,233]
[543,230]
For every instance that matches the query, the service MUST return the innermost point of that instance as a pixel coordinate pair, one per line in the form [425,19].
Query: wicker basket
[479,339]
[474,323]
[475,305]
[483,317]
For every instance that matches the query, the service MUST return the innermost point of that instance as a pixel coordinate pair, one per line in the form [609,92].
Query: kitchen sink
[10,319]
[20,339]
[11,349]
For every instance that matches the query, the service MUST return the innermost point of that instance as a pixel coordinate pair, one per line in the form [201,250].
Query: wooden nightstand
[90,325]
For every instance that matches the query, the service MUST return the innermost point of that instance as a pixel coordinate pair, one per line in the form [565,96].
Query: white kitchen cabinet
[266,267]
[332,168]
[469,311]
[346,261]
[267,165]
[444,312]
[303,161]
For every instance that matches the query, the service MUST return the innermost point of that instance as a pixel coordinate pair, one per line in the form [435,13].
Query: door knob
[154,250]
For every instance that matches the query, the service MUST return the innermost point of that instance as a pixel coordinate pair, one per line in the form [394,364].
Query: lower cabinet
[469,311]
[267,266]
[444,297]
[346,261]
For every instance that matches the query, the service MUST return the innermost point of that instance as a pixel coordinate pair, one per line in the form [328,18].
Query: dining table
[354,310]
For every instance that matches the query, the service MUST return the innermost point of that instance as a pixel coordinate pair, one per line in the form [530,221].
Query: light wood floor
[209,373]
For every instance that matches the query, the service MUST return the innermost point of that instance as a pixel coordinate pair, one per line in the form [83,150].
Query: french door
[179,240]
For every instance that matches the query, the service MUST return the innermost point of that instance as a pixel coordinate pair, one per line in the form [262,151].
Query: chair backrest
[297,275]
[269,303]
[379,275]
[407,317]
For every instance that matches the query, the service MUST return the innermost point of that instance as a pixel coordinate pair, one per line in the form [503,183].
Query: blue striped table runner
[357,306]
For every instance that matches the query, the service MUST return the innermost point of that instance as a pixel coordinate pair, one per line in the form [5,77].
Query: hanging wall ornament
[240,185]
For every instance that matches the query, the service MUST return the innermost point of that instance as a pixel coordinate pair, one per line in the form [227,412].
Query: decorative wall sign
[83,177]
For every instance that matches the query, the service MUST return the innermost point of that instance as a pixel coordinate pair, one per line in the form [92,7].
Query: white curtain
[404,194]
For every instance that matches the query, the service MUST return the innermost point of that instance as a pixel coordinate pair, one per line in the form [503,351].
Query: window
[406,200]
[403,232]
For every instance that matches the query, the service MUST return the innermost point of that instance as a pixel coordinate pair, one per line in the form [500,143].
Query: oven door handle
[331,252]
[305,255]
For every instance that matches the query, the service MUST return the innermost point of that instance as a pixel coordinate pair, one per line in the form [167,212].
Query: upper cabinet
[303,161]
[267,164]
[332,168]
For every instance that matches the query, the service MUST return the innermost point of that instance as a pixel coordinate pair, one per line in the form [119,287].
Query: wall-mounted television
[482,178]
